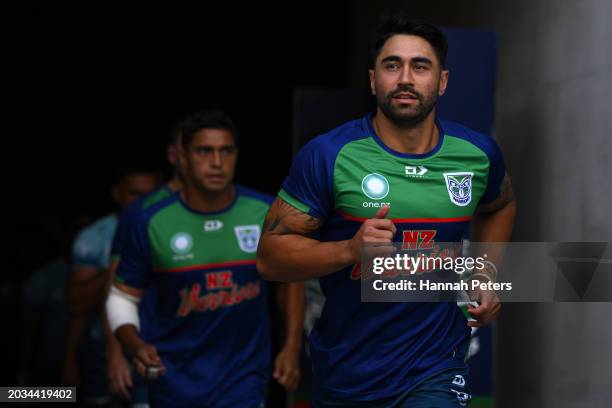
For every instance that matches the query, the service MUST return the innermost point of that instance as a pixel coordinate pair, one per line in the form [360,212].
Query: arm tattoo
[284,219]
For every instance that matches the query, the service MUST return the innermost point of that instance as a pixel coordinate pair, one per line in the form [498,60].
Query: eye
[203,150]
[393,66]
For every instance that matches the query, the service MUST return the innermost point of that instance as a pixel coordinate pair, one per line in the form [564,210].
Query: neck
[207,201]
[414,139]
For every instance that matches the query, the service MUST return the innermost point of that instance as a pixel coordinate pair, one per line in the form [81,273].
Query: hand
[488,309]
[145,357]
[119,373]
[374,230]
[287,368]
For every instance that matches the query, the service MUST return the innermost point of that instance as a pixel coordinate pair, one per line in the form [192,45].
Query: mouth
[406,97]
[215,177]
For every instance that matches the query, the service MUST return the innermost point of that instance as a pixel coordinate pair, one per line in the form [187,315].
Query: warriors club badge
[459,186]
[248,237]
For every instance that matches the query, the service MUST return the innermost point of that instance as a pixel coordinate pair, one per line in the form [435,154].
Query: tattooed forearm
[284,219]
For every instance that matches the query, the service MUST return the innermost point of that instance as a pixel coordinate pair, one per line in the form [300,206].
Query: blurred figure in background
[84,358]
[44,307]
[208,341]
[123,381]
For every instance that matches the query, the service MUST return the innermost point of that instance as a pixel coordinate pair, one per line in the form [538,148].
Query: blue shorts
[163,395]
[444,389]
[140,391]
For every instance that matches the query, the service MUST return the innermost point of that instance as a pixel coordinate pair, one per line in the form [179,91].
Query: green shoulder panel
[288,198]
[156,197]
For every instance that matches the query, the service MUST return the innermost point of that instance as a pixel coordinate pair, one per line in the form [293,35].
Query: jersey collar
[367,124]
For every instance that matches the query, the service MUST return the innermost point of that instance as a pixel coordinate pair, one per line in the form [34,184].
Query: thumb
[278,371]
[154,356]
[382,212]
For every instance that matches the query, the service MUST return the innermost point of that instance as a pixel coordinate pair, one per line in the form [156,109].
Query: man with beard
[399,174]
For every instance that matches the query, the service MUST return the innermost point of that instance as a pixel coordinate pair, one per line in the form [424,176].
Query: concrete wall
[553,121]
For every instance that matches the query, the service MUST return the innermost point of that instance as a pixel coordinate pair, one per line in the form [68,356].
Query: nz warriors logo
[459,186]
[248,237]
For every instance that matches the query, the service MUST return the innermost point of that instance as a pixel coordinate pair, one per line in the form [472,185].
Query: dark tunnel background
[95,86]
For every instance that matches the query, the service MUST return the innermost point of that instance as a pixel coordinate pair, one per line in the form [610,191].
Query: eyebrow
[423,60]
[395,58]
[205,146]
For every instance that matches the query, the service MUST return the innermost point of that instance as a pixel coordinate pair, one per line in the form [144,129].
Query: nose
[406,76]
[217,161]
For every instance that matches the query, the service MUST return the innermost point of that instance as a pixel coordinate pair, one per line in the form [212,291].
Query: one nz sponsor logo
[376,187]
[459,186]
[181,244]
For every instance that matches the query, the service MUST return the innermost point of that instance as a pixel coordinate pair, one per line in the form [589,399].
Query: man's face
[210,160]
[133,186]
[407,79]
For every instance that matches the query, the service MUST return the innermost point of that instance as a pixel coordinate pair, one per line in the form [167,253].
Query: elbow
[264,268]
[513,205]
[511,209]
[268,269]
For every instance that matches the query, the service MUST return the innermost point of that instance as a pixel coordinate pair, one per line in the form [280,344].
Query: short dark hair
[127,168]
[401,23]
[206,119]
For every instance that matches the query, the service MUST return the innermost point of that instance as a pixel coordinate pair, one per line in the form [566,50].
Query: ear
[172,154]
[443,82]
[372,81]
[181,154]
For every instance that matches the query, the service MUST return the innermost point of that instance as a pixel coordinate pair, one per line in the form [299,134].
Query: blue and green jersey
[131,213]
[374,351]
[210,320]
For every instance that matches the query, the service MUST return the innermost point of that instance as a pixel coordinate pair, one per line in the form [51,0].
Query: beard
[408,116]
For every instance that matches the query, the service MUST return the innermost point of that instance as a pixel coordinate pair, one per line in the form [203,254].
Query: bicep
[284,219]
